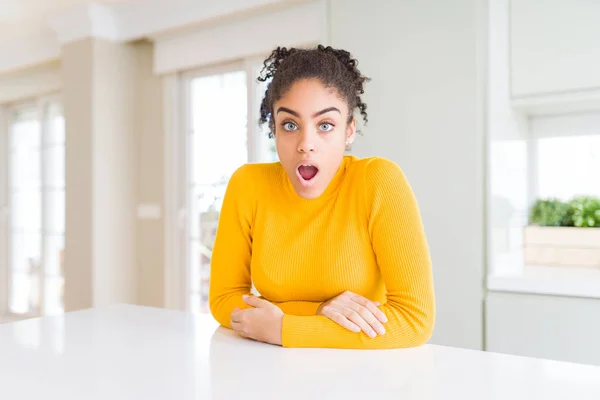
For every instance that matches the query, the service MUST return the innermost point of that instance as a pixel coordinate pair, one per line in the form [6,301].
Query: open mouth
[307,173]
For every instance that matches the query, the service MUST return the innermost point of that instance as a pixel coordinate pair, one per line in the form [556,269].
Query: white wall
[115,149]
[554,46]
[151,184]
[99,83]
[233,40]
[3,209]
[425,110]
[558,328]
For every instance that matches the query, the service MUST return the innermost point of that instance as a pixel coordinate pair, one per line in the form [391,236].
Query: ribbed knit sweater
[363,234]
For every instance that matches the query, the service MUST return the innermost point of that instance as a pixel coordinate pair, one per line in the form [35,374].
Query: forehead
[310,95]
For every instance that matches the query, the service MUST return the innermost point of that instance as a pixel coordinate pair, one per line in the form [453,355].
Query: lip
[302,181]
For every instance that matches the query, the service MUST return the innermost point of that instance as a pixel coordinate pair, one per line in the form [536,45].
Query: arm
[402,253]
[230,262]
[302,308]
[232,251]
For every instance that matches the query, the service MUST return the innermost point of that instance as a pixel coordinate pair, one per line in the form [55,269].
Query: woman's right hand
[355,313]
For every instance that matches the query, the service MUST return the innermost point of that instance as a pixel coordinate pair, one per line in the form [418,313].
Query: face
[311,134]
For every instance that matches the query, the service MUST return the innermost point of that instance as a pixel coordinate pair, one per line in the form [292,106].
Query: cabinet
[554,47]
[551,327]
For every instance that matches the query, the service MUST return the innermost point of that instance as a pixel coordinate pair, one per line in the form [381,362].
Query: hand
[355,313]
[262,323]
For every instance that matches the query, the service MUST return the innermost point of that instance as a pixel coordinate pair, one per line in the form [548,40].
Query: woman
[334,244]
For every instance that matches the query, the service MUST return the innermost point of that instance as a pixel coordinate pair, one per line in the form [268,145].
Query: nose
[307,142]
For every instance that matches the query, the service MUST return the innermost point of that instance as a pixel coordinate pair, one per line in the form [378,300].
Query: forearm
[222,305]
[298,308]
[408,326]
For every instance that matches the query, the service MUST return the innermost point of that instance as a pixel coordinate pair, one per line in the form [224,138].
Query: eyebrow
[294,113]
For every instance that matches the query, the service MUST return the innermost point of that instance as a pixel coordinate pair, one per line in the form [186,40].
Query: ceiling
[25,18]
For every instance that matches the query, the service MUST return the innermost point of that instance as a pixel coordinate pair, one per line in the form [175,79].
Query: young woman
[333,243]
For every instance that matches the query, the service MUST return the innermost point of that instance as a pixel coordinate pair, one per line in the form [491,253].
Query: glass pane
[55,125]
[219,117]
[26,210]
[507,204]
[53,295]
[55,212]
[268,153]
[54,255]
[25,168]
[219,147]
[578,170]
[26,250]
[54,167]
[25,291]
[25,129]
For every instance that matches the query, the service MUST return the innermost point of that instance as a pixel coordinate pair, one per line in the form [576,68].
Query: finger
[236,315]
[241,329]
[371,307]
[256,302]
[237,326]
[368,316]
[340,319]
[359,320]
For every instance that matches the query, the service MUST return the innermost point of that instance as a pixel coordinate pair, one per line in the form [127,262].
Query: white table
[128,352]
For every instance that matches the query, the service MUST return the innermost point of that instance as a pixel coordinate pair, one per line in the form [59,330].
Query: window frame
[178,120]
[7,113]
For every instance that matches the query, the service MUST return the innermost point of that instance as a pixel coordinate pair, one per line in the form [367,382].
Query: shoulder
[251,176]
[382,183]
[377,172]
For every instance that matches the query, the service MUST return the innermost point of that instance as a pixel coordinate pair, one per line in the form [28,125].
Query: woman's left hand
[263,322]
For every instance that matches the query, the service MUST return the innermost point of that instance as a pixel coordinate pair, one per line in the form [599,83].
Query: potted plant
[563,233]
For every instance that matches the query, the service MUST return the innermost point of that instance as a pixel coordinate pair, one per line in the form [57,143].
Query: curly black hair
[334,68]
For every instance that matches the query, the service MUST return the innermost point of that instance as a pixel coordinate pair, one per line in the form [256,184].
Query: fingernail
[385,319]
[372,334]
[356,329]
[245,297]
[377,304]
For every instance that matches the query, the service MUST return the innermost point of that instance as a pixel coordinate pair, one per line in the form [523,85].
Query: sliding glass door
[36,209]
[222,134]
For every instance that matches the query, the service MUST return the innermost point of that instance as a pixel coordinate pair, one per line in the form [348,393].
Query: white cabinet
[552,327]
[554,46]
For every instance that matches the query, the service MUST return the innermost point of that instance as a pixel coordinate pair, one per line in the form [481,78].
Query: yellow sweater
[363,234]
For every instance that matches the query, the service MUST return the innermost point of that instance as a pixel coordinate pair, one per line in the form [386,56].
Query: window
[556,156]
[35,211]
[223,134]
[568,166]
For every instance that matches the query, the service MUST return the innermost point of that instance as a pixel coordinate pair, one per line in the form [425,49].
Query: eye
[289,126]
[326,127]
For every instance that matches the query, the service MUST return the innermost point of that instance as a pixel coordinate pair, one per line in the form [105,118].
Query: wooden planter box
[562,246]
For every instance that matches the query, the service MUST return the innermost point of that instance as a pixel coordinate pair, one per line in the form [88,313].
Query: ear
[351,132]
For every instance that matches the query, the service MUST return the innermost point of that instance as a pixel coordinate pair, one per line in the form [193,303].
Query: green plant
[585,212]
[581,211]
[549,212]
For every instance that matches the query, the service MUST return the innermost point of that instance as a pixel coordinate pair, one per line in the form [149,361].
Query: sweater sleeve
[230,262]
[400,246]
